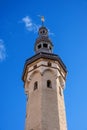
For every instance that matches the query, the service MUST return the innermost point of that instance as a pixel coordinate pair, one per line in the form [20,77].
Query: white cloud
[2,50]
[30,26]
[50,33]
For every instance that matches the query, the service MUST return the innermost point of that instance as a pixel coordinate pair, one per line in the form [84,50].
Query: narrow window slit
[49,84]
[35,85]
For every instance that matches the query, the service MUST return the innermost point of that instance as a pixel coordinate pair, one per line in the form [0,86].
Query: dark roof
[45,56]
[43,38]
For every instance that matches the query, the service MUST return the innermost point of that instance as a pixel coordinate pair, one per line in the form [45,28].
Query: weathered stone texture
[45,106]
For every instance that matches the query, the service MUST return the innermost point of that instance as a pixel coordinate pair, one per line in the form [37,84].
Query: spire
[43,43]
[43,20]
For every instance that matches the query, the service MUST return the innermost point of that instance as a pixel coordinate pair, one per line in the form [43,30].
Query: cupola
[43,42]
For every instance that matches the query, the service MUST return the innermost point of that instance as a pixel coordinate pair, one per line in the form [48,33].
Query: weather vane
[42,19]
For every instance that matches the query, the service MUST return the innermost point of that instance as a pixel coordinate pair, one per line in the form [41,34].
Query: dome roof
[43,43]
[44,39]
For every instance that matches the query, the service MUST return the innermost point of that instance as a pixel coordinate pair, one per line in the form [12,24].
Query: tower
[44,78]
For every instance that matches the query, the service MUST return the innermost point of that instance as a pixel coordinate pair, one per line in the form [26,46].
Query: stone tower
[44,78]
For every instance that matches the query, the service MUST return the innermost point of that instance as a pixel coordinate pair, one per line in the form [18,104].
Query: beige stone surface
[45,106]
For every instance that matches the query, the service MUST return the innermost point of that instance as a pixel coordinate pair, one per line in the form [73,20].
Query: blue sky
[67,22]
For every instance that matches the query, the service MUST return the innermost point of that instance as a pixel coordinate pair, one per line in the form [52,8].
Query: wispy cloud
[2,50]
[29,24]
[51,33]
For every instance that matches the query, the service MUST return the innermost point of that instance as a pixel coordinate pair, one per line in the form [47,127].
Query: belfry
[44,79]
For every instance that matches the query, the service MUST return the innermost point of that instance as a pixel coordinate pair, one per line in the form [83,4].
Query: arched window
[35,85]
[50,48]
[43,31]
[45,45]
[49,84]
[39,46]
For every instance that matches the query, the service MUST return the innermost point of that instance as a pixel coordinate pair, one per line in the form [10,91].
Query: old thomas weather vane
[42,20]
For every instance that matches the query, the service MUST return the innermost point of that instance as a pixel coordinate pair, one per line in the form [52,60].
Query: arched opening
[50,48]
[35,85]
[39,46]
[43,31]
[49,84]
[45,45]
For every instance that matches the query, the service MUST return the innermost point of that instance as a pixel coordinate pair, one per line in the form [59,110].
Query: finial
[42,19]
